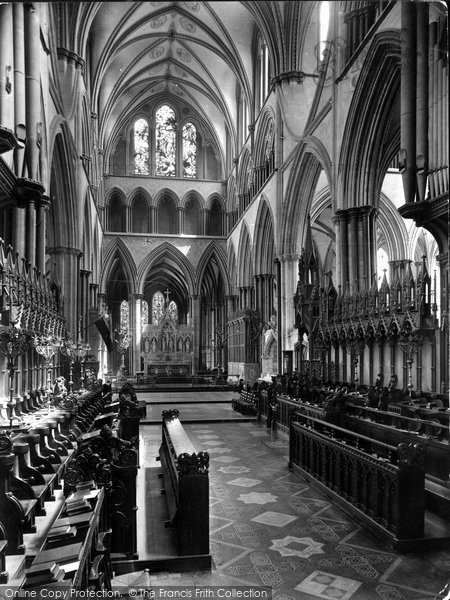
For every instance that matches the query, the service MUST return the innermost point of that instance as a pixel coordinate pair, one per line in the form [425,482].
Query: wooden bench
[186,486]
[245,403]
[382,485]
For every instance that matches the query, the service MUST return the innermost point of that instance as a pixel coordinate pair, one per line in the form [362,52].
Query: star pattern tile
[294,546]
[252,547]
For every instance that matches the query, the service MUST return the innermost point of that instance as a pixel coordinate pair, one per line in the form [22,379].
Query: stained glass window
[165,141]
[144,313]
[173,310]
[189,150]
[141,147]
[124,316]
[157,307]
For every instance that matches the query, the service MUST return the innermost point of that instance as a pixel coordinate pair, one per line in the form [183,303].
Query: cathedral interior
[237,211]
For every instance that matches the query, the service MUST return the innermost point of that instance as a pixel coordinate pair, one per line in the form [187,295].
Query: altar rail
[186,484]
[382,485]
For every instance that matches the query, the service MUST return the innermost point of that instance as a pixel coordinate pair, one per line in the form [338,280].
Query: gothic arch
[167,193]
[63,208]
[118,250]
[115,191]
[232,204]
[372,133]
[265,135]
[393,227]
[245,260]
[232,269]
[264,239]
[139,191]
[86,242]
[215,197]
[311,157]
[213,250]
[167,250]
[189,196]
[243,171]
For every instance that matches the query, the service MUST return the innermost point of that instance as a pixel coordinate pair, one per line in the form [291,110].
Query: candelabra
[410,343]
[74,351]
[46,346]
[123,339]
[13,343]
[354,347]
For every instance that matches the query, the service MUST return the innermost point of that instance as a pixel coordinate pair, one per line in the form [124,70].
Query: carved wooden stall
[96,511]
[382,484]
[186,485]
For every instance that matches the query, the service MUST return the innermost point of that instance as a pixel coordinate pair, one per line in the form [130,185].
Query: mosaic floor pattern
[269,527]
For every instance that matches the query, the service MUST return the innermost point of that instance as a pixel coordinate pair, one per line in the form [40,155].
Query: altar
[167,348]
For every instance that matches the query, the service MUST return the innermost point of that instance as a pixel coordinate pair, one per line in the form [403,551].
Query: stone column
[342,248]
[6,67]
[353,250]
[204,221]
[32,89]
[84,299]
[66,262]
[180,219]
[408,99]
[279,317]
[137,325]
[422,98]
[42,206]
[153,220]
[195,312]
[19,95]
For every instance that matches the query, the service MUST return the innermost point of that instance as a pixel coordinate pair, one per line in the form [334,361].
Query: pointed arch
[232,269]
[245,258]
[192,194]
[372,134]
[264,243]
[264,143]
[243,172]
[139,191]
[310,159]
[63,208]
[193,214]
[158,254]
[213,251]
[117,250]
[86,242]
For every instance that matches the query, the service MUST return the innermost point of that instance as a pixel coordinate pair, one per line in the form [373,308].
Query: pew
[186,487]
[47,444]
[394,428]
[382,485]
[81,557]
[245,403]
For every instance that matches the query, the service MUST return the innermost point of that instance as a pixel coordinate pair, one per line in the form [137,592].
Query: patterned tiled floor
[193,406]
[270,528]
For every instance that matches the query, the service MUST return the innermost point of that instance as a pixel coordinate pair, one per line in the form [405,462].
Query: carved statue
[269,336]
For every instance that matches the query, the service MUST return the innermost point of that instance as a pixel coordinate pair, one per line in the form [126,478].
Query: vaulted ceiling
[199,52]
